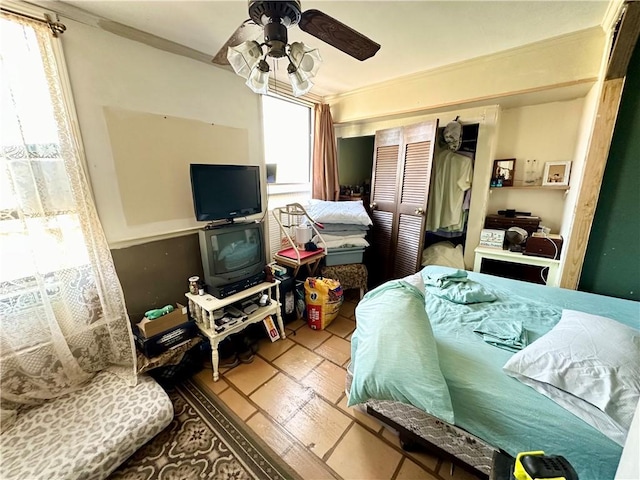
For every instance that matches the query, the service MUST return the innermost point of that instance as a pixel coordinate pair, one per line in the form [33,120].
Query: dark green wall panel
[612,261]
[355,159]
[156,274]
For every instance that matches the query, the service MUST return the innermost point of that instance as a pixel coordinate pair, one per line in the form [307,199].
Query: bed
[491,411]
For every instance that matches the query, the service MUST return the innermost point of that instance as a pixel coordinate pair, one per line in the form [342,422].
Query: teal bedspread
[500,409]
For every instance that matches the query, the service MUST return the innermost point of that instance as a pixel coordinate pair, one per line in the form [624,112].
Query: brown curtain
[325,156]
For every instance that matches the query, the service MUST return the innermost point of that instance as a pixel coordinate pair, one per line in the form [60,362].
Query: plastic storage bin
[344,256]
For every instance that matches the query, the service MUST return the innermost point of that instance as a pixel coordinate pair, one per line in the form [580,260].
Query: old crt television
[233,253]
[233,257]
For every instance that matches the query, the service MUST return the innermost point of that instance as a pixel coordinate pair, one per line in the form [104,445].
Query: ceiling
[415,35]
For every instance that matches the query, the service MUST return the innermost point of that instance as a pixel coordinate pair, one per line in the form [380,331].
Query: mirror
[503,172]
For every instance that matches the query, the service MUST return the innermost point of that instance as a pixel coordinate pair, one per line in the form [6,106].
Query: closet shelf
[537,187]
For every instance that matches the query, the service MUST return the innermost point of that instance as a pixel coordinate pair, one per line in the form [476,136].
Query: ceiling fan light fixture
[275,37]
[305,59]
[300,82]
[258,80]
[243,58]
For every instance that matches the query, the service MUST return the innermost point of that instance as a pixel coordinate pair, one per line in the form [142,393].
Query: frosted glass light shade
[258,80]
[305,59]
[244,57]
[300,83]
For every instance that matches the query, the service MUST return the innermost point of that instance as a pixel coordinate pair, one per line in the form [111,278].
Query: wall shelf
[536,187]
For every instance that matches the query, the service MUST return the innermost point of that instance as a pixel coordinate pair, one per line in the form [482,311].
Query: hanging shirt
[452,177]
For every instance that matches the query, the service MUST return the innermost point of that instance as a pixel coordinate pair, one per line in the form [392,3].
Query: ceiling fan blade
[337,34]
[247,31]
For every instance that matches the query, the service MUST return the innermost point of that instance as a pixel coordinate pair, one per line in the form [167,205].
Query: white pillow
[324,211]
[589,365]
[416,280]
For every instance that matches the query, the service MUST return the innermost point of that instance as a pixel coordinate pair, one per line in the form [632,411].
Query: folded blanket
[342,227]
[505,333]
[339,242]
[443,280]
[343,233]
[462,292]
[332,236]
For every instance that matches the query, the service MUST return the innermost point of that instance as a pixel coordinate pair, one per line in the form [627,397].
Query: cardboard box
[162,342]
[272,331]
[149,328]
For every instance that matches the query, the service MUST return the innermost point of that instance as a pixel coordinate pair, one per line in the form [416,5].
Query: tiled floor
[292,396]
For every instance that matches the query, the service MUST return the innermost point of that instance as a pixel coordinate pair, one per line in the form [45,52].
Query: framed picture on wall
[503,172]
[556,174]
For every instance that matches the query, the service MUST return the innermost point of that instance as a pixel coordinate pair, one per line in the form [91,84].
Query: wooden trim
[625,41]
[592,175]
[612,15]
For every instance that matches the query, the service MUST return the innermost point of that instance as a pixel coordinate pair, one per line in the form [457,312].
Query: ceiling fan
[273,19]
[276,16]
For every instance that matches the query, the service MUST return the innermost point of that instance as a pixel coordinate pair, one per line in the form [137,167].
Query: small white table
[553,277]
[203,306]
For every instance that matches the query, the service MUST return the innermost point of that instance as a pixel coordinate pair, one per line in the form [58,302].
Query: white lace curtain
[62,312]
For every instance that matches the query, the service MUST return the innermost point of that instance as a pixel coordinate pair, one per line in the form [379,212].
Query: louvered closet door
[384,200]
[414,173]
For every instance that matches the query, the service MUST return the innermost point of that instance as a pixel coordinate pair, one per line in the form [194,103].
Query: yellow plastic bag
[324,297]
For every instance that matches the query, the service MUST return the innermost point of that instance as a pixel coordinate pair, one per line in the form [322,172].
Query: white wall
[109,71]
[546,133]
[561,61]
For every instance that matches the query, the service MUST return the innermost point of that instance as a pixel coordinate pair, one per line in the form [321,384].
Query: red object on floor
[291,253]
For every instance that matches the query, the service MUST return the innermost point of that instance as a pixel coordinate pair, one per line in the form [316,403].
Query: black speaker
[287,298]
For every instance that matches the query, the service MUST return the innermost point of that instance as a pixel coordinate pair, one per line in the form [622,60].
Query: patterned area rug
[205,440]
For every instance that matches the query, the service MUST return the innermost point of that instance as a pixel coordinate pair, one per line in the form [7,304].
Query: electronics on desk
[224,291]
[228,316]
[249,309]
[233,312]
[544,245]
[157,344]
[278,270]
[516,238]
[239,312]
[504,222]
[492,238]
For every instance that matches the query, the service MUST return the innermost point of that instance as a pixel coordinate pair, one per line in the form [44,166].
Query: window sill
[283,188]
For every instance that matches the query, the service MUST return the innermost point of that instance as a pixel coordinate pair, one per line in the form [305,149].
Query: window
[287,140]
[39,225]
[287,150]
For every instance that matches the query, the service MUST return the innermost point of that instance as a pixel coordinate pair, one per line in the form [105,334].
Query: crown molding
[82,16]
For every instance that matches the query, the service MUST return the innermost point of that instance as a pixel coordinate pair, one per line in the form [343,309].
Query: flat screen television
[225,192]
[233,256]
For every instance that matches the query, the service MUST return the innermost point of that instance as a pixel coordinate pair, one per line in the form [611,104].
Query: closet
[399,192]
[403,188]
